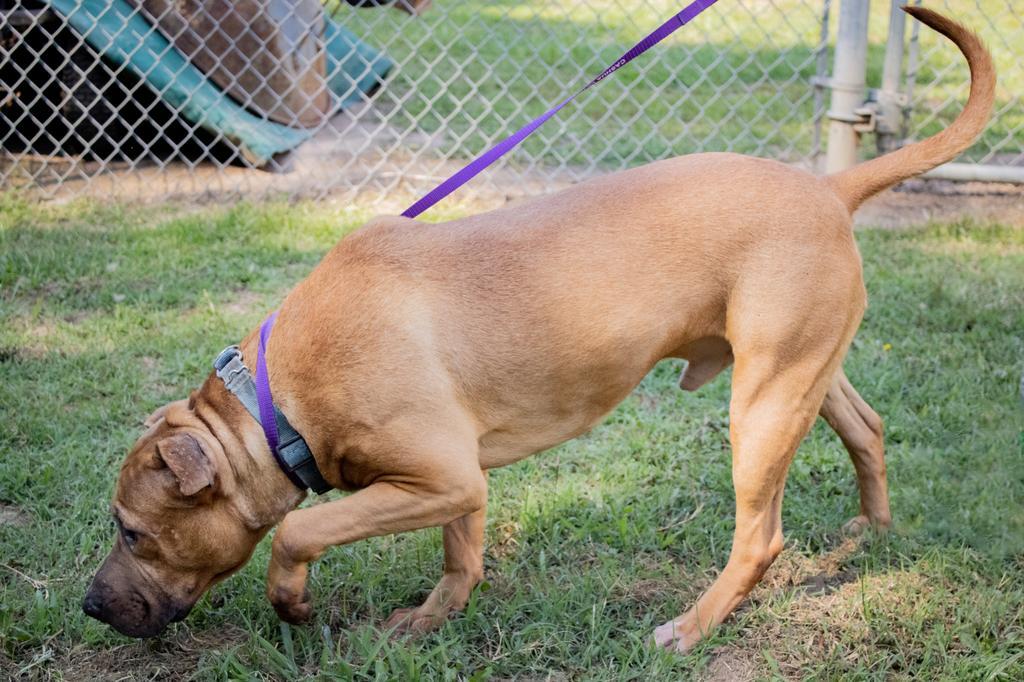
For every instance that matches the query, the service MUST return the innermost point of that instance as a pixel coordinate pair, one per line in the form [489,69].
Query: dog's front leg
[383,508]
[463,570]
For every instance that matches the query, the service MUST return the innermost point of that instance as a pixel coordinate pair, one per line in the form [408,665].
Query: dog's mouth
[181,613]
[135,616]
[131,611]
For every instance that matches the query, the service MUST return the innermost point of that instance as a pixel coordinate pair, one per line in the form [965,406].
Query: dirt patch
[731,666]
[818,625]
[813,573]
[166,658]
[650,591]
[13,354]
[8,669]
[816,581]
[11,515]
[46,329]
[648,402]
[921,201]
[831,611]
[824,583]
[242,302]
[504,542]
[550,677]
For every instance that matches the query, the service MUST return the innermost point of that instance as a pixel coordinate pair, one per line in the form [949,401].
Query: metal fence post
[848,75]
[820,82]
[890,99]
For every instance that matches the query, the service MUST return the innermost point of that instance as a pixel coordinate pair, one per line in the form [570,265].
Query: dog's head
[179,530]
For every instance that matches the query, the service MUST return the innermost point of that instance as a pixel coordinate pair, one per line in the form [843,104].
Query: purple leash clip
[477,165]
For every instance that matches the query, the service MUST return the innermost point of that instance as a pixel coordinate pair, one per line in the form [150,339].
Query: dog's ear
[162,411]
[191,465]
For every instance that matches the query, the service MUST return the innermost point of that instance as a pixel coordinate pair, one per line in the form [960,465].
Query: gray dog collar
[293,455]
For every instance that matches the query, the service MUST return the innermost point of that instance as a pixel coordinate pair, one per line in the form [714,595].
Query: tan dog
[415,357]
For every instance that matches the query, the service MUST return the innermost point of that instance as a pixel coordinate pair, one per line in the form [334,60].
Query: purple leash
[263,394]
[477,165]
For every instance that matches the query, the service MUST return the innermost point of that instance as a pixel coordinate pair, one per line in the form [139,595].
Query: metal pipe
[848,74]
[969,172]
[913,54]
[887,123]
[820,80]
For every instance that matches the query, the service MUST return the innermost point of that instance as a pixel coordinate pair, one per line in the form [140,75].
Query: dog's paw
[291,609]
[670,636]
[858,525]
[411,621]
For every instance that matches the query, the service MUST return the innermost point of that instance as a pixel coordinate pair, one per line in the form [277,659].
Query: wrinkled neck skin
[251,480]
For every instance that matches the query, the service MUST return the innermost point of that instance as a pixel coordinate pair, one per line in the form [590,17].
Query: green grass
[736,79]
[107,312]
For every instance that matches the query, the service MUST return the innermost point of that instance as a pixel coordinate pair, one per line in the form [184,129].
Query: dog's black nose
[93,606]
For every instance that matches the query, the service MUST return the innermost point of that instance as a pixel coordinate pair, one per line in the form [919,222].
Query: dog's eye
[130,537]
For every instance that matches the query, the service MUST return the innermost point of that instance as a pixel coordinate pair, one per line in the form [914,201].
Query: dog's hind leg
[463,570]
[784,366]
[769,416]
[860,429]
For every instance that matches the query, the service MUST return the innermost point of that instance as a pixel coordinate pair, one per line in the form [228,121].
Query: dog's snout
[131,611]
[93,604]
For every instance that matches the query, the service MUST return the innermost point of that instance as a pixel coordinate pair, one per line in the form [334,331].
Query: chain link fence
[142,98]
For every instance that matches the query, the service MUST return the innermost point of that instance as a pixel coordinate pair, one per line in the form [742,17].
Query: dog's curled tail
[857,184]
